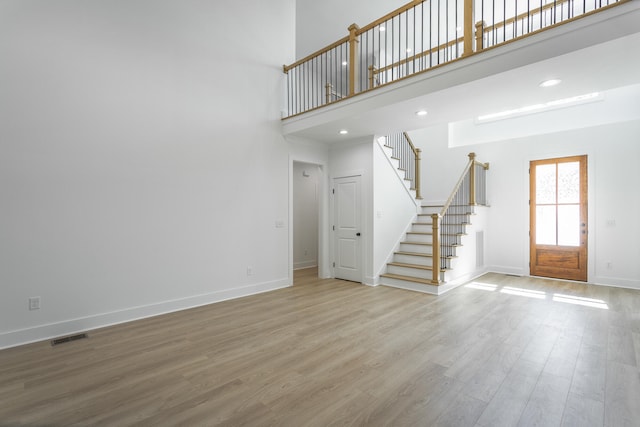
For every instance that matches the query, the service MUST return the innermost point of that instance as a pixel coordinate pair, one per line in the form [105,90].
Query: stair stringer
[394,249]
[469,262]
[395,164]
[395,208]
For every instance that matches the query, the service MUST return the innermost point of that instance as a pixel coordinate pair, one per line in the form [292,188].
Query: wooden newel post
[435,242]
[372,72]
[468,28]
[328,88]
[417,177]
[480,35]
[472,179]
[353,64]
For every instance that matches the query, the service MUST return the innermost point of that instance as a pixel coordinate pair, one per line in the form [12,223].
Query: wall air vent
[70,338]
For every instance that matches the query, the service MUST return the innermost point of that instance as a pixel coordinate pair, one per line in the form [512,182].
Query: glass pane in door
[545,184]
[569,225]
[546,225]
[569,182]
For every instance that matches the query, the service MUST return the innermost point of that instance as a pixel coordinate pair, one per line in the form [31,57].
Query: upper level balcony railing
[419,36]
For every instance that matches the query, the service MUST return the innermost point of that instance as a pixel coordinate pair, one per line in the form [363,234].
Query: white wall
[142,166]
[394,210]
[614,201]
[320,23]
[355,157]
[305,214]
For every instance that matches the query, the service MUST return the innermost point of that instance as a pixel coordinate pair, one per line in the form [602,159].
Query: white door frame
[363,223]
[324,269]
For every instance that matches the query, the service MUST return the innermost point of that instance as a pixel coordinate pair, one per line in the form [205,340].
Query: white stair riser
[430,209]
[404,284]
[422,228]
[422,238]
[413,259]
[425,219]
[410,247]
[409,271]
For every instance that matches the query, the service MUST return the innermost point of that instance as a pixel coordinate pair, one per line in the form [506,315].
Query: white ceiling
[594,54]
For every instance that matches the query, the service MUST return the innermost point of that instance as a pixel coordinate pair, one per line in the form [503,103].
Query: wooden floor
[502,351]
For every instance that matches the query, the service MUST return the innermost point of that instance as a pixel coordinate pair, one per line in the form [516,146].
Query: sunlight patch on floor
[530,293]
[587,302]
[482,286]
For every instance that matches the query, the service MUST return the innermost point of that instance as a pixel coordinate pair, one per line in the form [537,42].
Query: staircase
[412,265]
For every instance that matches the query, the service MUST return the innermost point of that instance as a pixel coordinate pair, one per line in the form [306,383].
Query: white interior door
[347,228]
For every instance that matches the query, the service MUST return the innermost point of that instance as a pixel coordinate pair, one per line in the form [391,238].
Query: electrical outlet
[609,265]
[249,271]
[34,303]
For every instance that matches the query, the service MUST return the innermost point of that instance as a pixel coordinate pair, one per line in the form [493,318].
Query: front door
[347,228]
[558,214]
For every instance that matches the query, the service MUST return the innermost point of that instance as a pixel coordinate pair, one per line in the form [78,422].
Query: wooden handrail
[472,42]
[417,55]
[513,19]
[435,224]
[437,217]
[457,187]
[343,40]
[416,153]
[390,15]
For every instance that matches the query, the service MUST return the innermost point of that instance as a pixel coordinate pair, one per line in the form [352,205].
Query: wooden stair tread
[410,242]
[417,266]
[414,254]
[410,279]
[429,233]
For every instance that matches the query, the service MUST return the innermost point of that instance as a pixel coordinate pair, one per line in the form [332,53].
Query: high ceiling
[597,53]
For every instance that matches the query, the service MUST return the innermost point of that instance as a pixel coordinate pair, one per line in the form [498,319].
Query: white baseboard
[371,281]
[616,282]
[73,326]
[304,264]
[506,270]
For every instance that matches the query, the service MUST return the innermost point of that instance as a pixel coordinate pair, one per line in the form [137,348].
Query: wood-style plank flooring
[502,351]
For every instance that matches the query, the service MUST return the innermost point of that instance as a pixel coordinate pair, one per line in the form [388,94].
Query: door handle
[357,234]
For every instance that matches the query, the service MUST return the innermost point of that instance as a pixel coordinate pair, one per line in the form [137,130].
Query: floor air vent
[70,338]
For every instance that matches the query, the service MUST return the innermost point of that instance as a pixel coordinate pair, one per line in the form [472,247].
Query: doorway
[306,183]
[558,218]
[347,228]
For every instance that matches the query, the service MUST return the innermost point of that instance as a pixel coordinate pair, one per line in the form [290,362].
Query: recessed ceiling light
[381,28]
[344,132]
[408,50]
[421,113]
[550,82]
[344,63]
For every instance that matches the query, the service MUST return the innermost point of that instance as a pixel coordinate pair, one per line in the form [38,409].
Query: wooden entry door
[558,215]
